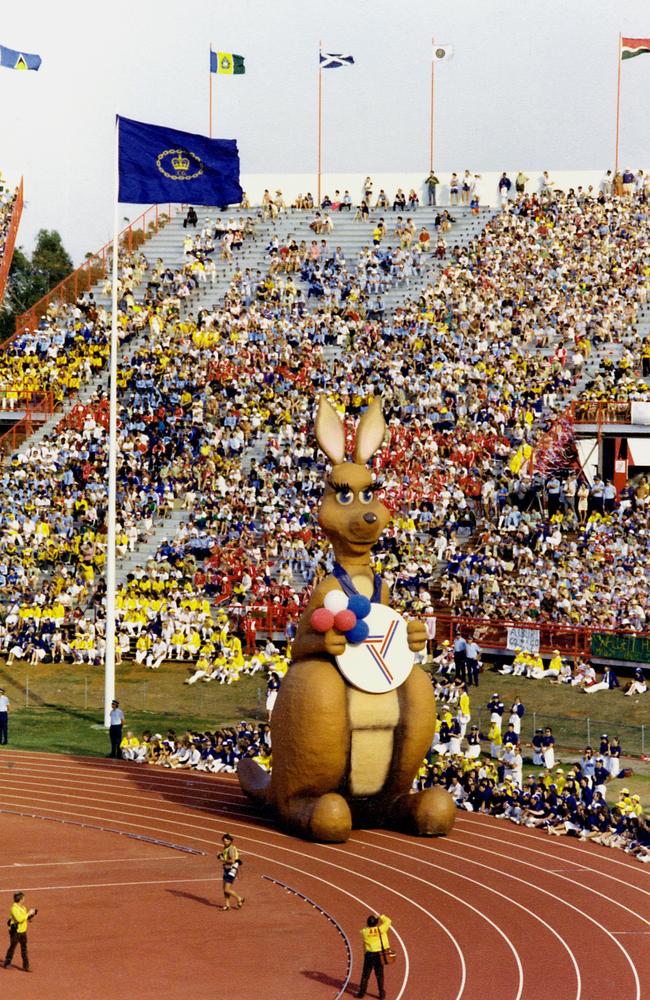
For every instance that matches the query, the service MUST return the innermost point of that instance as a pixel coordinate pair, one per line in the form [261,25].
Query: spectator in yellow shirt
[19,917]
[375,941]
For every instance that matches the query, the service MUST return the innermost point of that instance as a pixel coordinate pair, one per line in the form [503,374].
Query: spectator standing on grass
[19,917]
[4,718]
[375,942]
[115,730]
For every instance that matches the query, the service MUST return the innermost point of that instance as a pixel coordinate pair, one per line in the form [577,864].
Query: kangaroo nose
[370,518]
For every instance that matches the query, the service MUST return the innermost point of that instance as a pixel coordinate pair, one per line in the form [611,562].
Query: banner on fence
[611,646]
[524,638]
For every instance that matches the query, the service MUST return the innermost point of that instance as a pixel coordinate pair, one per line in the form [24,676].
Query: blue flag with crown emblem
[158,164]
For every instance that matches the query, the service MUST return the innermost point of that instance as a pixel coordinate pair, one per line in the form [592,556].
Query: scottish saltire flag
[334,60]
[226,62]
[158,164]
[13,59]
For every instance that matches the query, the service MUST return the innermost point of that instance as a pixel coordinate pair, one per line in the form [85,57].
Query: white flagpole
[109,663]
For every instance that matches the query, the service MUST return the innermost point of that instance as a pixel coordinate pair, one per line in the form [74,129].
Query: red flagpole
[618,102]
[320,122]
[433,78]
[210,79]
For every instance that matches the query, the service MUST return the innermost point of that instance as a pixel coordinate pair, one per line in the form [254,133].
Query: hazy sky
[531,84]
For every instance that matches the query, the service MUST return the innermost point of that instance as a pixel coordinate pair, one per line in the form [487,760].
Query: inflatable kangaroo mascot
[347,747]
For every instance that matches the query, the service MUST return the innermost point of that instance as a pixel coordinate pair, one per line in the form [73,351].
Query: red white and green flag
[631,47]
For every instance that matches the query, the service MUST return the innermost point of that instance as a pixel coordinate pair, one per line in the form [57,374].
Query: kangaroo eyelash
[373,487]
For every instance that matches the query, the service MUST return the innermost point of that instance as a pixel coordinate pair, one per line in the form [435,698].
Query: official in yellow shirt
[19,917]
[375,941]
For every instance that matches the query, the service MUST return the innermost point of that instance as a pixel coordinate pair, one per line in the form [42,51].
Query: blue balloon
[357,633]
[360,605]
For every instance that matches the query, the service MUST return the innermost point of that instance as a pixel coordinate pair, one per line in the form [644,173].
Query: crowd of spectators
[504,331]
[7,201]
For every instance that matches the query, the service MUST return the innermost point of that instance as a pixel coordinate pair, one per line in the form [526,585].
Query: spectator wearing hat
[614,757]
[548,748]
[496,709]
[4,718]
[115,730]
[517,712]
[639,684]
[460,655]
[473,751]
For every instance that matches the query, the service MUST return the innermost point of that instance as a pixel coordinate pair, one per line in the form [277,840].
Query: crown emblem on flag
[180,162]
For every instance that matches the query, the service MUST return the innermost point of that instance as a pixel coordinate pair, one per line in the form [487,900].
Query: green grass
[60,709]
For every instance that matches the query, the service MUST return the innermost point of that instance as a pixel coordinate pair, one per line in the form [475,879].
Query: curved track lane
[491,912]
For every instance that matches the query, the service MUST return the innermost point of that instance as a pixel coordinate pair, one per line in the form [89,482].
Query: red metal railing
[10,241]
[37,410]
[16,397]
[96,267]
[607,411]
[493,634]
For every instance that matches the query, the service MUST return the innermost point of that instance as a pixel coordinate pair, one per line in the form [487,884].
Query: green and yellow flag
[226,62]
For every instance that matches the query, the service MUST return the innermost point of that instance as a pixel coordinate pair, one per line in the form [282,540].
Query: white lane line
[545,892]
[557,856]
[94,861]
[586,851]
[547,871]
[483,885]
[261,830]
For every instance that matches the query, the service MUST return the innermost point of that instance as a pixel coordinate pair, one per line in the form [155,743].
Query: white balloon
[335,601]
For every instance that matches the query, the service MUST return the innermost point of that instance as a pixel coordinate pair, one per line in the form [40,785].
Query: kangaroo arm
[308,644]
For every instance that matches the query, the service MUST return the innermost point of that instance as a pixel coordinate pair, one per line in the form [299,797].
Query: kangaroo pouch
[373,719]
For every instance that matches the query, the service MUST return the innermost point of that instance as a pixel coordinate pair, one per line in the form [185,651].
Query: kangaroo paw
[325,817]
[254,780]
[430,813]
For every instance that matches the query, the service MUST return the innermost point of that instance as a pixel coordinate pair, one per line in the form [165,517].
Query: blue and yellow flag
[13,59]
[227,62]
[159,164]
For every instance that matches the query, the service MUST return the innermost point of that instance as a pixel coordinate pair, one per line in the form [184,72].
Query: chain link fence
[577,733]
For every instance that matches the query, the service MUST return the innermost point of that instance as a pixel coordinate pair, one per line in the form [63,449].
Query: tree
[29,280]
[50,259]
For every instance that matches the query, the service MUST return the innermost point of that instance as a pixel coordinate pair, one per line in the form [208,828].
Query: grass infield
[59,709]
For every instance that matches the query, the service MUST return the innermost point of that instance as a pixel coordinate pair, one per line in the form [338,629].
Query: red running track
[492,912]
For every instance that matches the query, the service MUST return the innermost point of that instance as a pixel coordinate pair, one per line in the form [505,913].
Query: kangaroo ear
[370,432]
[330,432]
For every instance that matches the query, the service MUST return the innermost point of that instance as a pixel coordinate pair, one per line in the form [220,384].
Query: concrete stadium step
[164,528]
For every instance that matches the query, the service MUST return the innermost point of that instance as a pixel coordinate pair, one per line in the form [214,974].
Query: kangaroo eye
[366,496]
[345,497]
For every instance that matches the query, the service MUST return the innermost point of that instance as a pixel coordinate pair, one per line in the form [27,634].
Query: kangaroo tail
[255,781]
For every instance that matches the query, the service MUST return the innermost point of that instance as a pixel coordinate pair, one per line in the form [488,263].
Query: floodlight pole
[320,124]
[433,105]
[618,100]
[109,661]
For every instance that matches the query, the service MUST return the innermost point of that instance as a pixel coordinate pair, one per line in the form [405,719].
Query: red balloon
[322,620]
[345,620]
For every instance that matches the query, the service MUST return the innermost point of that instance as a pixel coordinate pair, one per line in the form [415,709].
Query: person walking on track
[115,730]
[375,948]
[231,862]
[19,917]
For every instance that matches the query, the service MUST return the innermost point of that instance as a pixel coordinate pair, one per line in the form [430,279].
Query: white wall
[293,184]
